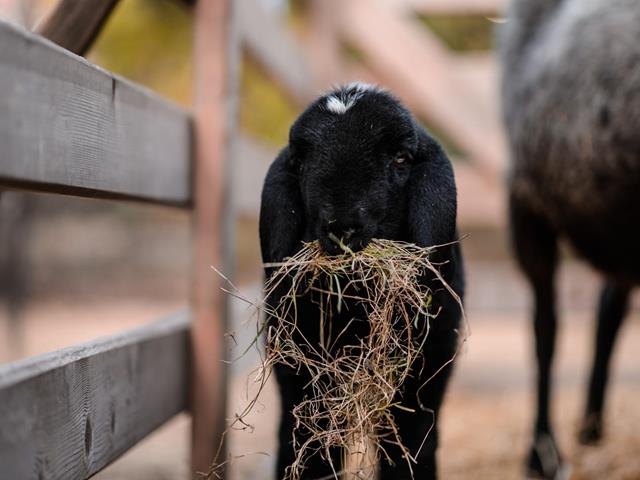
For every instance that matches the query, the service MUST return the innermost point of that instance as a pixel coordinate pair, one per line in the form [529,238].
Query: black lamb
[359,166]
[571,99]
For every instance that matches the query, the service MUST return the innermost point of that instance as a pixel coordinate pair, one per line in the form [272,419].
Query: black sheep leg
[292,392]
[614,302]
[535,245]
[413,430]
[419,429]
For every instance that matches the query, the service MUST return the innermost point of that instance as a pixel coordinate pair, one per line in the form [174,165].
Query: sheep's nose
[346,231]
[353,215]
[351,237]
[344,234]
[348,234]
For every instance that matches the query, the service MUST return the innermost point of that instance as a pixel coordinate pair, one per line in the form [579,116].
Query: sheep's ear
[432,195]
[281,210]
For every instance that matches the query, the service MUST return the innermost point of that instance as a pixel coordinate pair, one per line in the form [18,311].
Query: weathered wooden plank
[67,414]
[216,50]
[67,126]
[268,41]
[75,25]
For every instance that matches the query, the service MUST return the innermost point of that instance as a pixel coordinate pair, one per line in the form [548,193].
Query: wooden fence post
[214,115]
[324,42]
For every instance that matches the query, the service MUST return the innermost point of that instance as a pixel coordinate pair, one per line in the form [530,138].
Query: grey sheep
[571,101]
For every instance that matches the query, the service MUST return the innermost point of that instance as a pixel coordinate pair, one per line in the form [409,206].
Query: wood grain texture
[216,51]
[67,126]
[67,414]
[75,25]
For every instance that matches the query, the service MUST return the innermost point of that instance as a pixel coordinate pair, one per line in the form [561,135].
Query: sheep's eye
[400,159]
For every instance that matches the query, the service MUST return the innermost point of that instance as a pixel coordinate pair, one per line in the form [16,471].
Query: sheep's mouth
[333,244]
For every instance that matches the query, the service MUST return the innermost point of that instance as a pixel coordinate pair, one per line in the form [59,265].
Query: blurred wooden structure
[454,92]
[68,127]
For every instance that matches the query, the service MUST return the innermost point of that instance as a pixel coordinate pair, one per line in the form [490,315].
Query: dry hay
[354,385]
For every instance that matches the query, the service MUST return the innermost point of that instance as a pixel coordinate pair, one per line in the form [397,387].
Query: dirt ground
[485,421]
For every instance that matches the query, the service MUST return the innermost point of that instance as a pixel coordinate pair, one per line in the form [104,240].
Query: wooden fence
[69,127]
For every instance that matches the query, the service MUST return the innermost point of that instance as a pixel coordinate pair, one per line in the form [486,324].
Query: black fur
[572,112]
[339,174]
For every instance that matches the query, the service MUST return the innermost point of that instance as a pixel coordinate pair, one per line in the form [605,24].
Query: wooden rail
[70,413]
[69,127]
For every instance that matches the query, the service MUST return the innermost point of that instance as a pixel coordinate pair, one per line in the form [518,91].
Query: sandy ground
[485,422]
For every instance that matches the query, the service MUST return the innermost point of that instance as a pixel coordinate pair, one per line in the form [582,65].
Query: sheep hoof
[590,432]
[545,461]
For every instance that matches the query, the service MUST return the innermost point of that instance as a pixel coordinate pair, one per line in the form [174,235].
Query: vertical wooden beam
[324,42]
[16,222]
[215,57]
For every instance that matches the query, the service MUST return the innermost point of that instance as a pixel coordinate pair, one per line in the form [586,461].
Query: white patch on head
[346,97]
[336,105]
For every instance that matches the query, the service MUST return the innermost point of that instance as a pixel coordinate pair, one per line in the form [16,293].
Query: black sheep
[571,98]
[360,167]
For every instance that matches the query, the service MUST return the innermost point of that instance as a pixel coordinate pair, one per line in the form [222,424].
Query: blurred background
[75,269]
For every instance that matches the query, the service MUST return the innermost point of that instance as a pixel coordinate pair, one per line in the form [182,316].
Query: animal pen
[68,127]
